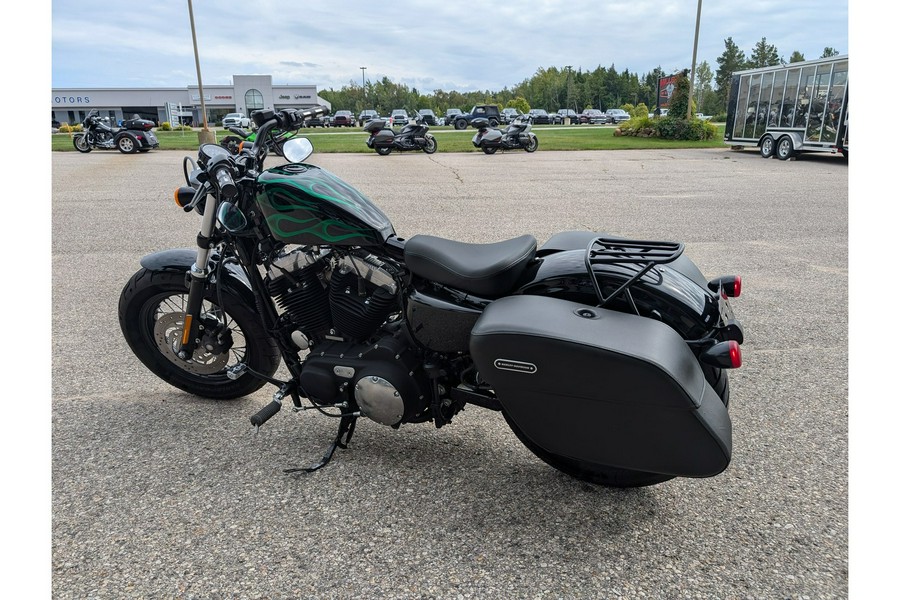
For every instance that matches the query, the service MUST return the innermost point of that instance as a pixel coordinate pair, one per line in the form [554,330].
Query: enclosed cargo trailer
[788,109]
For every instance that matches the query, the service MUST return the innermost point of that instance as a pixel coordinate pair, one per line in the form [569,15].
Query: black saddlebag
[602,386]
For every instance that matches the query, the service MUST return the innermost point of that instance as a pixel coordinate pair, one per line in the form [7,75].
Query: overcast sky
[460,46]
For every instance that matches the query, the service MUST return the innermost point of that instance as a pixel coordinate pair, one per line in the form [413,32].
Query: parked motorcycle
[516,135]
[274,140]
[413,136]
[133,136]
[606,356]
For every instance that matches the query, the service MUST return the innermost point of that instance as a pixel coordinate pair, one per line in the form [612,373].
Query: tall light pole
[205,135]
[690,111]
[364,87]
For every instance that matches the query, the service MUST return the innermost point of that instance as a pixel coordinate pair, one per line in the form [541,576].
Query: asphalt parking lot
[158,494]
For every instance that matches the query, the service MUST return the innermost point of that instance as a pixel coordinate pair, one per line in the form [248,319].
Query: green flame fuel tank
[305,204]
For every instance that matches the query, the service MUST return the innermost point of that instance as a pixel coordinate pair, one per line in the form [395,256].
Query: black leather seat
[487,270]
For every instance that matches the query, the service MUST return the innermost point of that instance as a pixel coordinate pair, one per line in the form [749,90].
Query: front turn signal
[184,196]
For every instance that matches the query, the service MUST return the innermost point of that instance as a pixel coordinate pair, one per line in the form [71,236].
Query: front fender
[180,260]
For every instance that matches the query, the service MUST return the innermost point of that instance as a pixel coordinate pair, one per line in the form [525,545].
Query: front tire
[81,143]
[460,124]
[151,316]
[767,147]
[532,145]
[430,146]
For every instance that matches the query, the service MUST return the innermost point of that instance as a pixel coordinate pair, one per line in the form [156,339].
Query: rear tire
[460,124]
[150,318]
[127,145]
[785,148]
[488,149]
[383,150]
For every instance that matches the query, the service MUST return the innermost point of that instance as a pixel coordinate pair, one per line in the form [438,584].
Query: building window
[253,100]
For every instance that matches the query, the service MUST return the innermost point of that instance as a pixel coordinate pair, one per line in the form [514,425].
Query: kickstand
[346,427]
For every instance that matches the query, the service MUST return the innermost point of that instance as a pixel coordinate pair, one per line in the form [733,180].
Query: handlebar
[225,183]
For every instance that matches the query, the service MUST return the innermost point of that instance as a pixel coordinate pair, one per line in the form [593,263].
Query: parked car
[703,117]
[314,122]
[343,118]
[399,117]
[491,112]
[452,113]
[593,116]
[508,115]
[427,116]
[236,120]
[565,113]
[367,115]
[617,115]
[539,116]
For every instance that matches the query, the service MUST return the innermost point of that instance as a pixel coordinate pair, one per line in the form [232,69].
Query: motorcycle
[413,136]
[516,135]
[607,357]
[274,140]
[133,136]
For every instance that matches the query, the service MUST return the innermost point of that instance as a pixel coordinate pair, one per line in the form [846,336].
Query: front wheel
[531,145]
[151,315]
[430,146]
[767,147]
[460,124]
[81,143]
[383,150]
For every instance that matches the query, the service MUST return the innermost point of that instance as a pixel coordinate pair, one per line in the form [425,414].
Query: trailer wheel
[767,146]
[785,148]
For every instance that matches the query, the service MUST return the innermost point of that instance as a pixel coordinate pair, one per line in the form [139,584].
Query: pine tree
[731,60]
[764,55]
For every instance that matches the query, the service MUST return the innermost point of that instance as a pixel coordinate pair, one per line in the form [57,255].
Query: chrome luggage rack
[609,251]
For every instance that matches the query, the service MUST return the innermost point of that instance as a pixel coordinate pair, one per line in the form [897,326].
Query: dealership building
[247,94]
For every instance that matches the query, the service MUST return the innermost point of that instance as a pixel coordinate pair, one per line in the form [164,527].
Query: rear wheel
[151,315]
[785,148]
[460,124]
[81,143]
[383,150]
[127,145]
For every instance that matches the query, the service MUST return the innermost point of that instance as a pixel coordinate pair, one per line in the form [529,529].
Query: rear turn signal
[725,355]
[729,284]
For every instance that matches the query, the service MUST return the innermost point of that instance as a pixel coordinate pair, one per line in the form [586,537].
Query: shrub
[669,128]
[65,128]
[165,126]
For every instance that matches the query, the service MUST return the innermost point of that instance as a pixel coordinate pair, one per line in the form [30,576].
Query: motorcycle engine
[323,296]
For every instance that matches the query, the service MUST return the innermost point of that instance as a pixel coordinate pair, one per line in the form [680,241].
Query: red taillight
[734,352]
[725,355]
[729,285]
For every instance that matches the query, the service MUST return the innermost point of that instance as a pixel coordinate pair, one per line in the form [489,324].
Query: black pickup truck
[480,111]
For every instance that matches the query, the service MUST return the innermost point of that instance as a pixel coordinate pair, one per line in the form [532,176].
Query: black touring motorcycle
[414,136]
[607,357]
[133,136]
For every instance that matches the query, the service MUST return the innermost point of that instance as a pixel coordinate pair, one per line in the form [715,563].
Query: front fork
[199,276]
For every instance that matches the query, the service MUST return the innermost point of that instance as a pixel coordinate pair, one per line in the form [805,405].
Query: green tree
[703,83]
[731,60]
[829,52]
[796,57]
[678,103]
[519,103]
[764,55]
